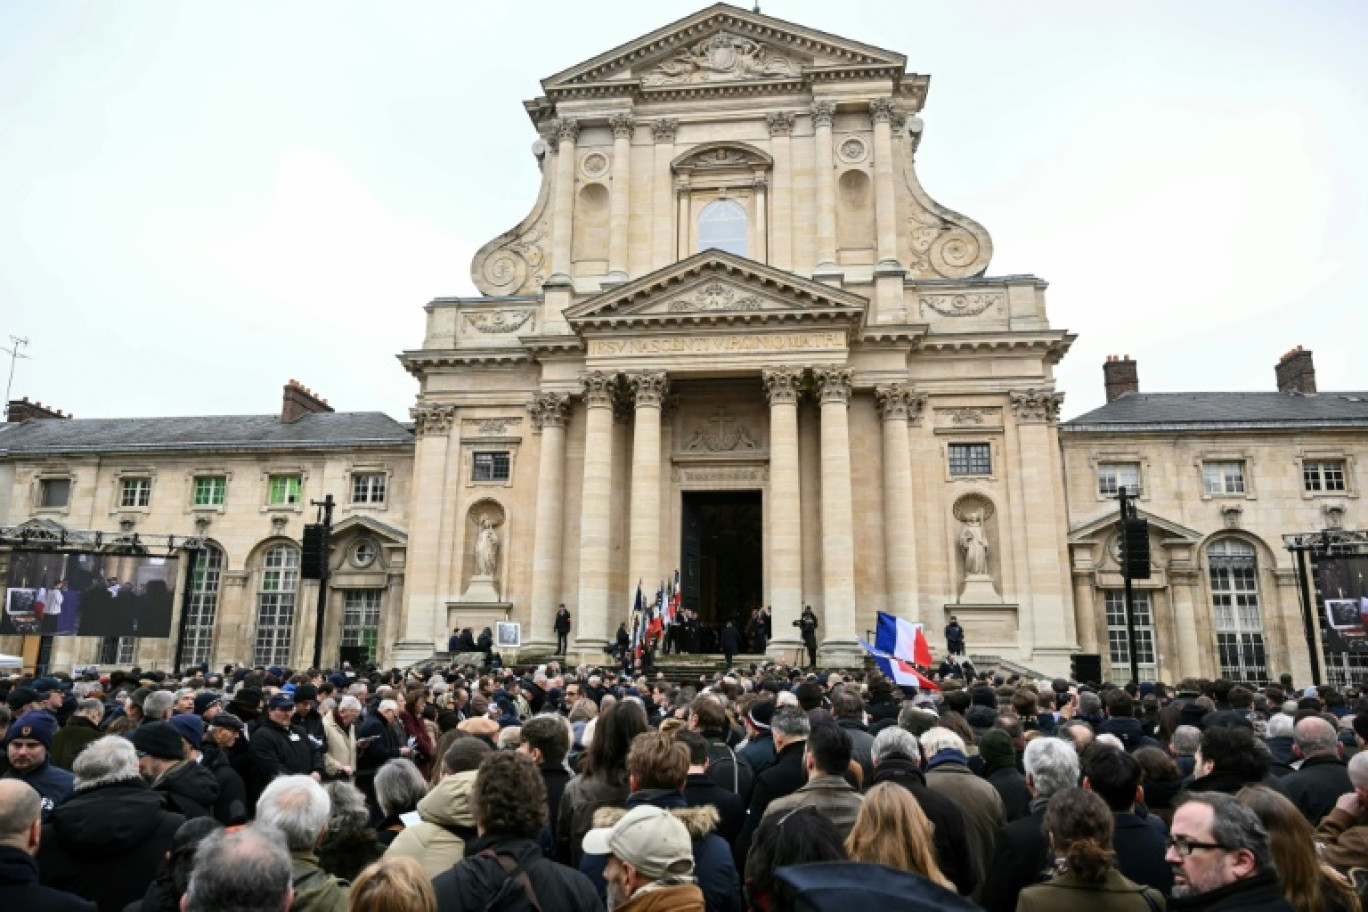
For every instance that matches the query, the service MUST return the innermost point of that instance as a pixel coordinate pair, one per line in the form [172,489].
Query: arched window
[1234,571]
[203,607]
[276,606]
[722,226]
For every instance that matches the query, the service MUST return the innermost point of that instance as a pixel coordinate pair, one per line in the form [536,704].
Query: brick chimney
[1122,375]
[299,401]
[20,410]
[1296,373]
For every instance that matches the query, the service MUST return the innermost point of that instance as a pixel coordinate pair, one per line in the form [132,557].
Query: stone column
[649,392]
[885,213]
[662,231]
[425,613]
[620,203]
[838,523]
[596,513]
[784,536]
[563,216]
[898,404]
[549,412]
[759,250]
[822,114]
[781,202]
[683,217]
[1085,609]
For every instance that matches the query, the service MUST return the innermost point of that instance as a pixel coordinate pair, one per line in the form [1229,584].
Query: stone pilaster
[760,231]
[563,216]
[780,126]
[620,203]
[600,391]
[428,572]
[662,230]
[885,201]
[1186,588]
[549,413]
[784,536]
[822,114]
[838,522]
[644,562]
[899,404]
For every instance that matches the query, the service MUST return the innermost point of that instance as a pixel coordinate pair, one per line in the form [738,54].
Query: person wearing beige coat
[438,841]
[339,733]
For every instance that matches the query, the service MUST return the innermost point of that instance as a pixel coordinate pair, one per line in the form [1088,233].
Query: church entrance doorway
[722,566]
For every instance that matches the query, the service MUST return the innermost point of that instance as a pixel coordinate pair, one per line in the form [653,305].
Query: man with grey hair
[20,829]
[1323,776]
[948,775]
[1343,834]
[1221,858]
[339,735]
[298,807]
[897,758]
[248,869]
[1023,846]
[157,707]
[107,842]
[790,728]
[1186,741]
[80,730]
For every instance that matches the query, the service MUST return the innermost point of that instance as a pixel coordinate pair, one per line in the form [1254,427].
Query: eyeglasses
[1185,847]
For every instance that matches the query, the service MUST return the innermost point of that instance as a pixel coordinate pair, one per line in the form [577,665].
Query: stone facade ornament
[959,305]
[1035,406]
[549,410]
[899,402]
[664,129]
[974,542]
[624,126]
[600,389]
[1231,515]
[486,546]
[648,389]
[780,123]
[833,383]
[973,511]
[568,130]
[721,438]
[881,110]
[782,384]
[1334,515]
[499,321]
[493,427]
[487,549]
[432,419]
[722,57]
[714,296]
[823,112]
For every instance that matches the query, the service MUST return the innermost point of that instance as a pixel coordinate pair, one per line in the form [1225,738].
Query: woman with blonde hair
[1307,883]
[392,884]
[892,830]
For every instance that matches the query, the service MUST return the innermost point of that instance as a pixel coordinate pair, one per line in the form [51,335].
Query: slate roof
[1231,411]
[323,430]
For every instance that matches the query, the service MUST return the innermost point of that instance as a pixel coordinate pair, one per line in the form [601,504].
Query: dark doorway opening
[723,572]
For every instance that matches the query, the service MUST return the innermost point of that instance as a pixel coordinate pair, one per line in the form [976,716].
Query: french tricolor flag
[899,646]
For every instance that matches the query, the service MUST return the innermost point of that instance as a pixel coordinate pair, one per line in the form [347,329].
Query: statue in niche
[486,548]
[975,544]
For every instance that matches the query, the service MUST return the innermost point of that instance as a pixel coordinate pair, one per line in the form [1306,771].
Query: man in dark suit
[562,628]
[1139,841]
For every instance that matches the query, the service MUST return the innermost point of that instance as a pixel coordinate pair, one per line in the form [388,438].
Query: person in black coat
[376,744]
[19,887]
[701,790]
[807,626]
[279,748]
[1323,776]
[108,841]
[224,731]
[562,628]
[790,727]
[1139,841]
[731,643]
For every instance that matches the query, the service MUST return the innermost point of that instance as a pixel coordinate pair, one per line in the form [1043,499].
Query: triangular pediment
[1106,524]
[723,43]
[360,524]
[718,287]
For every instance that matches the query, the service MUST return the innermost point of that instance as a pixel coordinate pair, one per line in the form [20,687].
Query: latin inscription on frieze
[719,345]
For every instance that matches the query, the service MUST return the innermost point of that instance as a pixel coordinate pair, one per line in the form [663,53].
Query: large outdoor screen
[84,594]
[1342,587]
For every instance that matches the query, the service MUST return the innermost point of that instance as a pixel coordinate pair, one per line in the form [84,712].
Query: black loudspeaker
[354,654]
[313,558]
[1135,548]
[1086,668]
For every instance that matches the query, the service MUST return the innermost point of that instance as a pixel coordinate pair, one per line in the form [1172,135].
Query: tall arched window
[203,607]
[276,606]
[1234,570]
[722,226]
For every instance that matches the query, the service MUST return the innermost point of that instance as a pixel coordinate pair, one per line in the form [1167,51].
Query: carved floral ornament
[782,385]
[498,321]
[833,384]
[664,129]
[823,112]
[961,417]
[600,389]
[1036,406]
[780,123]
[959,305]
[549,410]
[722,57]
[899,402]
[432,419]
[624,125]
[713,297]
[852,150]
[594,164]
[649,389]
[491,427]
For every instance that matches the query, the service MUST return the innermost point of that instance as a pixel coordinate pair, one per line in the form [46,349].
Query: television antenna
[15,354]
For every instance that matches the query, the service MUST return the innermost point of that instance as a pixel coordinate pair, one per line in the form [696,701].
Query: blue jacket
[53,783]
[19,888]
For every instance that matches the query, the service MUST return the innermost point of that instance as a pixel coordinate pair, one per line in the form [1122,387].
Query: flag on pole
[678,596]
[656,626]
[638,627]
[921,650]
[902,638]
[899,671]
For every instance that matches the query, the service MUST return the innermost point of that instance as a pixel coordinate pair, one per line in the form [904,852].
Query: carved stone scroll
[959,305]
[499,321]
[714,296]
[1033,406]
[432,419]
[722,57]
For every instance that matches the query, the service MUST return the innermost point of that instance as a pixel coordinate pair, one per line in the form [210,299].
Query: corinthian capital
[822,113]
[432,419]
[782,384]
[664,129]
[549,410]
[780,123]
[881,110]
[833,384]
[623,125]
[568,130]
[899,402]
[649,388]
[600,389]
[1033,406]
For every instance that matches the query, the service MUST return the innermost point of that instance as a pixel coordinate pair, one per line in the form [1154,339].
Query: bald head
[19,809]
[1358,770]
[1316,737]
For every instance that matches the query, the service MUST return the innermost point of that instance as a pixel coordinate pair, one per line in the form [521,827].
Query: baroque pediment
[1105,525]
[714,286]
[723,44]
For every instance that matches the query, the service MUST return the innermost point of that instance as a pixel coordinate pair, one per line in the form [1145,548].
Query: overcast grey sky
[199,201]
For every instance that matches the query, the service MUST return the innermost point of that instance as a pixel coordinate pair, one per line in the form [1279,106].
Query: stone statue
[486,549]
[975,545]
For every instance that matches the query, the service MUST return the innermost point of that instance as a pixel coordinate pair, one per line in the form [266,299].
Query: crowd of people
[768,788]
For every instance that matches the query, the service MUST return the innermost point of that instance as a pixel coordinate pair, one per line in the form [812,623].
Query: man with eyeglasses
[1220,857]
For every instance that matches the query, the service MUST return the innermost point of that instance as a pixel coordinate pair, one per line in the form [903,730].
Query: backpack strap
[1150,900]
[515,871]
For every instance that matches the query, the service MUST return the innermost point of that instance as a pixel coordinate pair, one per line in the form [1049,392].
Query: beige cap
[648,838]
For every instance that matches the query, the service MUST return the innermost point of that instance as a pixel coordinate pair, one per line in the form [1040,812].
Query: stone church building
[734,337]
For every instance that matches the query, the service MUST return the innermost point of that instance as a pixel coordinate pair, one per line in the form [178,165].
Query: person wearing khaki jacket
[339,732]
[438,841]
[826,759]
[1342,836]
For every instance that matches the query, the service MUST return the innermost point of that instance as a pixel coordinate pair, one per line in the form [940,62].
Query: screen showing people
[88,594]
[1343,585]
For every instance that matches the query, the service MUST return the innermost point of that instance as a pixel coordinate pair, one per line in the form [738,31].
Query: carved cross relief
[722,438]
